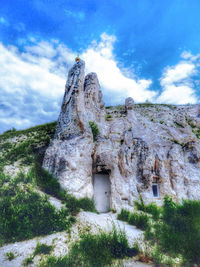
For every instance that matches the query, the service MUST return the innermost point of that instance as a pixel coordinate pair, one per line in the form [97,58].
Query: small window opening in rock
[155,190]
[121,142]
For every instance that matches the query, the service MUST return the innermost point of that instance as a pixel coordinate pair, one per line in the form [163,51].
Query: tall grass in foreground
[174,229]
[26,214]
[95,250]
[179,230]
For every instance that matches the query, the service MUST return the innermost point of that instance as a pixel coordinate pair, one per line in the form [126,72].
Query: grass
[42,249]
[25,213]
[48,128]
[151,208]
[95,130]
[50,185]
[27,261]
[27,147]
[10,256]
[177,232]
[140,220]
[95,250]
[108,117]
[123,215]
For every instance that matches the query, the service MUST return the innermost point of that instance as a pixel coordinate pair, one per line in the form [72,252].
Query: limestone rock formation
[146,150]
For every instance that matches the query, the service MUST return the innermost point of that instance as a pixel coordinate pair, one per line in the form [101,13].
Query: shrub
[107,117]
[95,250]
[151,208]
[72,204]
[141,221]
[154,210]
[140,204]
[47,182]
[10,256]
[87,204]
[123,215]
[178,231]
[95,130]
[42,249]
[25,214]
[28,261]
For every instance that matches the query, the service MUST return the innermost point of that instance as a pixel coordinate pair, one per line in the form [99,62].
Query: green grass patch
[151,208]
[26,214]
[123,215]
[141,221]
[177,232]
[26,148]
[95,130]
[42,249]
[10,256]
[27,261]
[95,250]
[108,117]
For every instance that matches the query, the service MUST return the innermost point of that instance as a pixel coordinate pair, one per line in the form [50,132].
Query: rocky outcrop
[139,146]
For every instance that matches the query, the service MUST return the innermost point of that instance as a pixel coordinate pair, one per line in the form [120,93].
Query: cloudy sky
[146,49]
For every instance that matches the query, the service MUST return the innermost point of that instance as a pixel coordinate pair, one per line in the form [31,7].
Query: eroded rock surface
[139,145]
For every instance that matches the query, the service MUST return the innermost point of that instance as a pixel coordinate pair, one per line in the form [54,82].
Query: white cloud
[189,56]
[100,59]
[3,21]
[32,82]
[177,84]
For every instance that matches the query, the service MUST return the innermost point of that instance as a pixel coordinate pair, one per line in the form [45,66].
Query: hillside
[21,150]
[102,186]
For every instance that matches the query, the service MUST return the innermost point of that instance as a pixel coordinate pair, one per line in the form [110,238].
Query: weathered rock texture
[138,145]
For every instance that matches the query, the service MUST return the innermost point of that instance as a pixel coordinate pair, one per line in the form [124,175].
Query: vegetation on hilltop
[23,145]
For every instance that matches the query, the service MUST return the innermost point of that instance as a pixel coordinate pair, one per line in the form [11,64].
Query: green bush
[141,221]
[95,250]
[151,208]
[95,129]
[74,205]
[107,117]
[10,256]
[27,261]
[47,182]
[87,204]
[178,231]
[26,214]
[123,215]
[42,249]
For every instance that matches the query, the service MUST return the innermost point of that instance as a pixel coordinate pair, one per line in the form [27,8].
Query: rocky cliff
[148,150]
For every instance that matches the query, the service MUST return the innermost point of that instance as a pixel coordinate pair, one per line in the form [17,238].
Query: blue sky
[147,49]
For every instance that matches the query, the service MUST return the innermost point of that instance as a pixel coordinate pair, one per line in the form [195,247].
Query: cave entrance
[102,192]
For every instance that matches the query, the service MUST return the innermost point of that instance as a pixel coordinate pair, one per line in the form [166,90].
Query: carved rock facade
[142,148]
